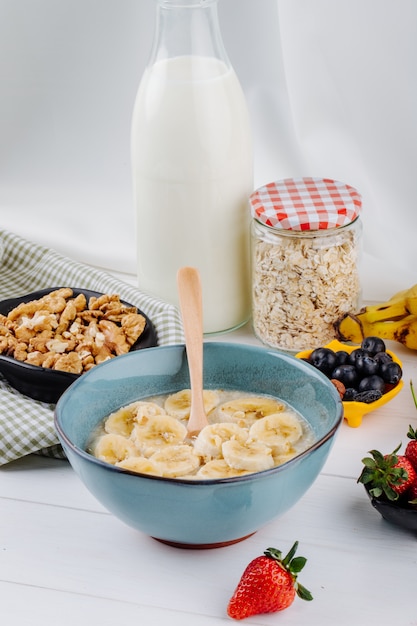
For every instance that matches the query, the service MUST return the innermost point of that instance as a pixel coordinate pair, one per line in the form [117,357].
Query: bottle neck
[187,27]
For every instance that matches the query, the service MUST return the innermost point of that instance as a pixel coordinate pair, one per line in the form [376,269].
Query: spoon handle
[190,299]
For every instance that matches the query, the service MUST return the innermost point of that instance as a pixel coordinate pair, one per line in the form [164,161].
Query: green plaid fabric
[26,425]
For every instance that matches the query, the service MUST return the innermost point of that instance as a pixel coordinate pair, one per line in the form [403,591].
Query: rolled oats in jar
[305,250]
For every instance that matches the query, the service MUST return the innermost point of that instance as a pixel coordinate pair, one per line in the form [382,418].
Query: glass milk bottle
[192,165]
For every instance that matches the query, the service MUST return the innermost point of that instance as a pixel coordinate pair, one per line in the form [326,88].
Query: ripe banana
[253,456]
[398,306]
[395,319]
[179,404]
[277,431]
[246,411]
[209,441]
[155,432]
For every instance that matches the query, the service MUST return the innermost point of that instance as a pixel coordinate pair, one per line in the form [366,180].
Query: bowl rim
[207,481]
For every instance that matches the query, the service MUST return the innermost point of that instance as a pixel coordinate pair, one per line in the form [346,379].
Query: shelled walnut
[65,332]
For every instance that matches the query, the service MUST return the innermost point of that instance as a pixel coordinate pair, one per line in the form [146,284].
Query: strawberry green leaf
[378,457]
[390,493]
[368,462]
[366,476]
[412,434]
[297,564]
[413,394]
[288,558]
[273,553]
[303,593]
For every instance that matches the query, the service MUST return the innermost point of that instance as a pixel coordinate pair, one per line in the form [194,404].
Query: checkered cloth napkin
[26,425]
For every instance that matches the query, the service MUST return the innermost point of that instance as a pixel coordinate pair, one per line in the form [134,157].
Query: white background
[330,85]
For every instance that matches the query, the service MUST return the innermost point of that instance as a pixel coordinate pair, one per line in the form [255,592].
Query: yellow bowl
[354,411]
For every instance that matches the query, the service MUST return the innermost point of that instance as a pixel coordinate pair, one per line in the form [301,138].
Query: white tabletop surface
[64,559]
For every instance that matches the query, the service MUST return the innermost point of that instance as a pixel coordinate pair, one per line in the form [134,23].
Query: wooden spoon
[190,299]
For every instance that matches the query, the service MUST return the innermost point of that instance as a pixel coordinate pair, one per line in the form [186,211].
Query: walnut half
[65,332]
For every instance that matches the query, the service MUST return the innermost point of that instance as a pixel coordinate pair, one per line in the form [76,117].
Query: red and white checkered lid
[306,204]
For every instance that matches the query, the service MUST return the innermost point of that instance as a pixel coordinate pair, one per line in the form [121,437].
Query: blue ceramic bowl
[198,514]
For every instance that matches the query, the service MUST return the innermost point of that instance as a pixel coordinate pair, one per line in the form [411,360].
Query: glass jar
[305,251]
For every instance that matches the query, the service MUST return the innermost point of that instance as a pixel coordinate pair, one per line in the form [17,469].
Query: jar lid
[306,204]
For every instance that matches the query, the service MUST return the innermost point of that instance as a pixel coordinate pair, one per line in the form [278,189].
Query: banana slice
[278,431]
[245,411]
[178,404]
[253,456]
[140,464]
[113,448]
[279,459]
[155,432]
[121,422]
[148,409]
[175,461]
[209,441]
[218,468]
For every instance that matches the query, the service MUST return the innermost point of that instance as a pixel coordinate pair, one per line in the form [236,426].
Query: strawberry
[389,475]
[411,449]
[412,495]
[268,584]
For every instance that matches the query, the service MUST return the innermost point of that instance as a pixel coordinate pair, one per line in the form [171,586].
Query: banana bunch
[395,319]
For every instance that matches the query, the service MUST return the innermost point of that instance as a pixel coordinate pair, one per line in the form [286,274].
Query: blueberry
[350,394]
[366,366]
[391,372]
[372,383]
[346,374]
[342,357]
[323,359]
[373,345]
[382,357]
[355,354]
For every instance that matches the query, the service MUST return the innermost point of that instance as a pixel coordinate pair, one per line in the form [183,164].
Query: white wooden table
[65,560]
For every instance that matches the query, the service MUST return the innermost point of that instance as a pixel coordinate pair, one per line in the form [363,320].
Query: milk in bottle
[192,168]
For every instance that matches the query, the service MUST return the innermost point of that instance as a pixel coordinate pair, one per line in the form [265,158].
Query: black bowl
[41,383]
[395,513]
